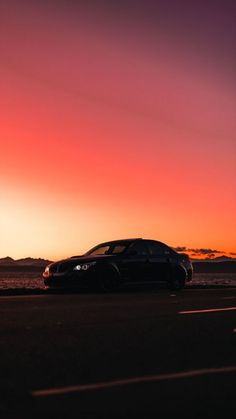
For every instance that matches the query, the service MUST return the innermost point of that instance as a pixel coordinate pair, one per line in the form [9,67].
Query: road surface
[133,354]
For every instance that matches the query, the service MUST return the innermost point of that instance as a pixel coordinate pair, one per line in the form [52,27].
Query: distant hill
[7,261]
[224,264]
[25,263]
[228,266]
[223,258]
[32,262]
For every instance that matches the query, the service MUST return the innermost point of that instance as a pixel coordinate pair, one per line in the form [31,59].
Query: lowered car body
[115,264]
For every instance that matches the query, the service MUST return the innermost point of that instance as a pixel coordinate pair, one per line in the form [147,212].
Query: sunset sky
[117,120]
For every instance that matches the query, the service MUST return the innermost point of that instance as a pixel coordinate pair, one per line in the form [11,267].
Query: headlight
[46,271]
[84,266]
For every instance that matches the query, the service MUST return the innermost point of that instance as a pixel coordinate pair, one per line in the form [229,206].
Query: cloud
[211,253]
[180,249]
[233,254]
[204,251]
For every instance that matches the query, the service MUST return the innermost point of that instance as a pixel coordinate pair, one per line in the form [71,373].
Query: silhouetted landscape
[220,264]
[28,264]
[213,267]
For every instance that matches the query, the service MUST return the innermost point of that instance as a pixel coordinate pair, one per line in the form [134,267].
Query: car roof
[112,242]
[120,240]
[131,239]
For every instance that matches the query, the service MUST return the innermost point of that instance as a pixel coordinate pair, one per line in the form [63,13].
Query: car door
[135,264]
[159,261]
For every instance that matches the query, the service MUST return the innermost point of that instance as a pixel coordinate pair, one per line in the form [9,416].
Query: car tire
[109,280]
[178,280]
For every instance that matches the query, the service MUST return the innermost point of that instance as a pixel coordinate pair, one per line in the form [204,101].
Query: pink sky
[111,129]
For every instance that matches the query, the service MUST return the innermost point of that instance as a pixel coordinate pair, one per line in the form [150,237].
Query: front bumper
[68,280]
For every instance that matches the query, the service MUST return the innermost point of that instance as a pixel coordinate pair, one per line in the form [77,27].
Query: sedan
[120,263]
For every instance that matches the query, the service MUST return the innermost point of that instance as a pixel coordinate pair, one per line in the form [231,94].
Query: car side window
[118,249]
[167,250]
[156,248]
[102,250]
[140,248]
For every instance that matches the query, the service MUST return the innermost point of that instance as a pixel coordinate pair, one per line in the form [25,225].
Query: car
[120,263]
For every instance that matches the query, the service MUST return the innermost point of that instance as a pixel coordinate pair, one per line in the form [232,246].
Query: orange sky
[108,133]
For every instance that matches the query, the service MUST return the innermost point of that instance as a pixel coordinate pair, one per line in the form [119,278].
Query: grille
[65,266]
[53,268]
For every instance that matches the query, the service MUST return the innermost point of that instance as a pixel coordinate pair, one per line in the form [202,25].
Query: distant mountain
[220,266]
[31,261]
[223,258]
[9,262]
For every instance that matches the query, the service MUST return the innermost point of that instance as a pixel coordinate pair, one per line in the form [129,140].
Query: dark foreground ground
[132,354]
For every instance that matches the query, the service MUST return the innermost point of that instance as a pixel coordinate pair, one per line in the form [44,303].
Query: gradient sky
[116,121]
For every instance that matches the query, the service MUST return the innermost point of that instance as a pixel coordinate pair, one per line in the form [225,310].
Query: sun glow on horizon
[107,135]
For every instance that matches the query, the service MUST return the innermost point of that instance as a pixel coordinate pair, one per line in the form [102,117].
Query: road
[134,354]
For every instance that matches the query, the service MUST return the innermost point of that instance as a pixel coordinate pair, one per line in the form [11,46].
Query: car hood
[85,259]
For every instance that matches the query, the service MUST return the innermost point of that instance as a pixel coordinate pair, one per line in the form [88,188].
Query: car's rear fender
[179,271]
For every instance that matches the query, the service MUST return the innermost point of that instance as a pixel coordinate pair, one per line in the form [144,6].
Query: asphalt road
[134,354]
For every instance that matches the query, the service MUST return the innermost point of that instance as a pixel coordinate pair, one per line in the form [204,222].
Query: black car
[119,263]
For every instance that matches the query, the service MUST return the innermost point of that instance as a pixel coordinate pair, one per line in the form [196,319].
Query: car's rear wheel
[178,280]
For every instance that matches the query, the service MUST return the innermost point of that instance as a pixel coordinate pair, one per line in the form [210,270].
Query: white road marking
[208,310]
[127,381]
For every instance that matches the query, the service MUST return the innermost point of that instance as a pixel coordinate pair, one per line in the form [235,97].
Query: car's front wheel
[108,280]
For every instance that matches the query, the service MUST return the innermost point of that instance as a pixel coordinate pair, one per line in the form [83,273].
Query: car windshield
[109,249]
